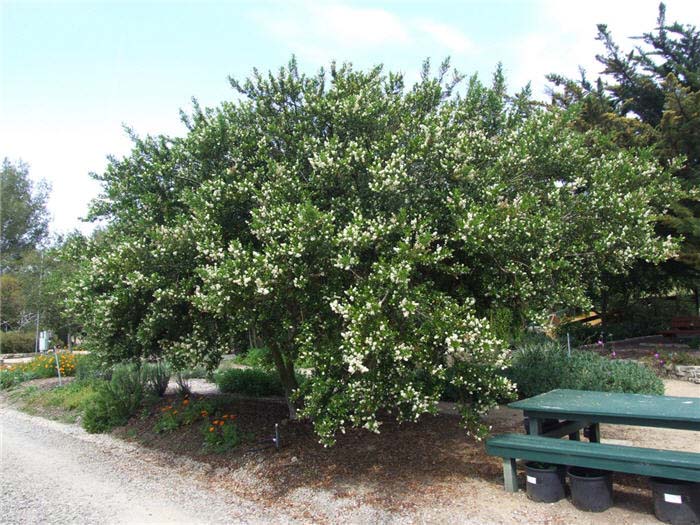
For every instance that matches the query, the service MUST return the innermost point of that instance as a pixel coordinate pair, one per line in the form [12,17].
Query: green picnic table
[573,410]
[586,408]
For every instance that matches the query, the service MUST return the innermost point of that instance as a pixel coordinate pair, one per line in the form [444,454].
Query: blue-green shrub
[250,382]
[115,401]
[542,367]
[155,377]
[17,342]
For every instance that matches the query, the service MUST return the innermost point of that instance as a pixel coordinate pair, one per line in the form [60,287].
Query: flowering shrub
[176,415]
[657,359]
[366,229]
[42,366]
[45,365]
[221,433]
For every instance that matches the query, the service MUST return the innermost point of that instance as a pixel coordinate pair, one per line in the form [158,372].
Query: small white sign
[532,480]
[673,498]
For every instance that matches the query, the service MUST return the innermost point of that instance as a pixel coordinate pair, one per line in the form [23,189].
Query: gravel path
[57,473]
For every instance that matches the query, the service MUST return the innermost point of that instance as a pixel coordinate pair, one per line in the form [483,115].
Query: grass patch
[65,403]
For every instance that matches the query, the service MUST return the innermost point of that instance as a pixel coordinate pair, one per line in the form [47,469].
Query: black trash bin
[591,489]
[544,481]
[676,502]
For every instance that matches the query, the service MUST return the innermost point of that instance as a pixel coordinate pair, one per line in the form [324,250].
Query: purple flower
[614,353]
[600,342]
[656,355]
[661,362]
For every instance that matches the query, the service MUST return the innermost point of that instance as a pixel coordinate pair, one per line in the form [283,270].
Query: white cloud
[320,32]
[449,37]
[64,153]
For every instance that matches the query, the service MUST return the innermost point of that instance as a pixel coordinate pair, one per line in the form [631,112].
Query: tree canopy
[365,227]
[23,215]
[650,96]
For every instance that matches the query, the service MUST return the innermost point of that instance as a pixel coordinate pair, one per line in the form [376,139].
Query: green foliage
[24,219]
[13,302]
[679,357]
[116,401]
[41,366]
[13,377]
[256,358]
[221,434]
[366,229]
[73,397]
[648,316]
[90,366]
[184,413]
[17,342]
[650,96]
[156,377]
[543,367]
[249,381]
[184,388]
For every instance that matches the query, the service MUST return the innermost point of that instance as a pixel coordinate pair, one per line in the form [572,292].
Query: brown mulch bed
[403,467]
[405,462]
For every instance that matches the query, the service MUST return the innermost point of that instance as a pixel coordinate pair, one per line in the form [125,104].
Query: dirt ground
[427,472]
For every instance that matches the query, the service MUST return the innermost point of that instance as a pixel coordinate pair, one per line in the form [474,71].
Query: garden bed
[426,471]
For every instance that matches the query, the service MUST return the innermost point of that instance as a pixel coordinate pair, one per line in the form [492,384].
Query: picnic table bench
[689,325]
[576,409]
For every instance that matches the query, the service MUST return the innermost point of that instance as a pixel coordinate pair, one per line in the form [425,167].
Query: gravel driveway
[57,473]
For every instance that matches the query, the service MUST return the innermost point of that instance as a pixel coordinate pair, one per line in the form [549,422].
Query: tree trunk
[285,369]
[696,296]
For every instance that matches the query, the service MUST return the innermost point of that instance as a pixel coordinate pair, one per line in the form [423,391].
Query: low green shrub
[221,434]
[116,401]
[10,377]
[17,342]
[90,366]
[255,358]
[71,398]
[249,381]
[156,377]
[184,413]
[184,386]
[542,367]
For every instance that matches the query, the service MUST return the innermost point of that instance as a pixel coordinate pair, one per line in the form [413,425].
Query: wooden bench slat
[633,460]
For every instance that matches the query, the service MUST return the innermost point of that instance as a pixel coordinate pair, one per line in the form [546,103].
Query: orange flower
[216,421]
[221,423]
[185,401]
[204,413]
[174,411]
[211,429]
[225,416]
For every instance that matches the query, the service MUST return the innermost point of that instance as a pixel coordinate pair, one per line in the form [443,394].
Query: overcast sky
[71,73]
